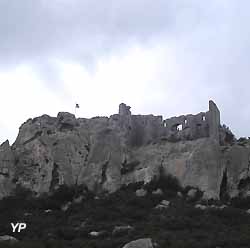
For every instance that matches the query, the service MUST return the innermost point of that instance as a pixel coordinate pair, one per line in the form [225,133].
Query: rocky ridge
[106,153]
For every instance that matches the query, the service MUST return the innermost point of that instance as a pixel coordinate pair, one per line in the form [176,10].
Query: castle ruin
[144,129]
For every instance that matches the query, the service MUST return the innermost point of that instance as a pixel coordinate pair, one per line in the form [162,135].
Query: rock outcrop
[7,169]
[105,153]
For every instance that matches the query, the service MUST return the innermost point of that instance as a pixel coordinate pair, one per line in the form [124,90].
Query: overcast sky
[160,57]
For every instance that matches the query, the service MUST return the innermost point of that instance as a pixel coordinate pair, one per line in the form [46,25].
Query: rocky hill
[105,154]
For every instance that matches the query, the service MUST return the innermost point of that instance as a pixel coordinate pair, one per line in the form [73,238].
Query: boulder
[97,234]
[78,199]
[141,192]
[163,205]
[48,211]
[27,214]
[122,230]
[8,238]
[179,194]
[222,206]
[66,206]
[199,206]
[94,234]
[157,192]
[213,206]
[140,243]
[203,207]
[192,193]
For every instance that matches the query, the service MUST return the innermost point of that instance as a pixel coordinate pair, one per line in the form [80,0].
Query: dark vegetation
[242,141]
[239,202]
[179,226]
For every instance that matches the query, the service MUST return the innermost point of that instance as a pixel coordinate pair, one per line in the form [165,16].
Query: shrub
[132,187]
[242,141]
[66,233]
[169,184]
[240,202]
[64,194]
[180,225]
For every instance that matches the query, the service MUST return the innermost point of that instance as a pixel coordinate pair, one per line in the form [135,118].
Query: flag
[77,105]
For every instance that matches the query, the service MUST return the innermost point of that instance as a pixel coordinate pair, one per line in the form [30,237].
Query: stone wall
[190,127]
[187,127]
[144,129]
[213,120]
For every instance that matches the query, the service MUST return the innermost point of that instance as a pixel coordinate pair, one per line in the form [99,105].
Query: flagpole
[76,107]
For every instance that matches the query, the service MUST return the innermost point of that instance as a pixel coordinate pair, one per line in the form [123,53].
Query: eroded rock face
[194,163]
[105,153]
[236,166]
[7,162]
[53,151]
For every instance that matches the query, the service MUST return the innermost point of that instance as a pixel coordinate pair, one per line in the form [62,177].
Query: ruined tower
[213,120]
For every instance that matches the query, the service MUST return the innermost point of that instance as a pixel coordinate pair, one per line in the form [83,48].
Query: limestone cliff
[105,153]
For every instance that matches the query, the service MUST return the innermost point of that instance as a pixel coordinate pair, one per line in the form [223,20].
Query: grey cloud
[36,29]
[210,41]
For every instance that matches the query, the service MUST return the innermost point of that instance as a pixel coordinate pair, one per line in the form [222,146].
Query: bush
[64,194]
[180,225]
[240,202]
[66,233]
[169,184]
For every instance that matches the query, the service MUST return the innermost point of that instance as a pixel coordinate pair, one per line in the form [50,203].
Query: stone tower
[213,120]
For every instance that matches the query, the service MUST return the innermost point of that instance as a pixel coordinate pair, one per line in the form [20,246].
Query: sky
[160,57]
